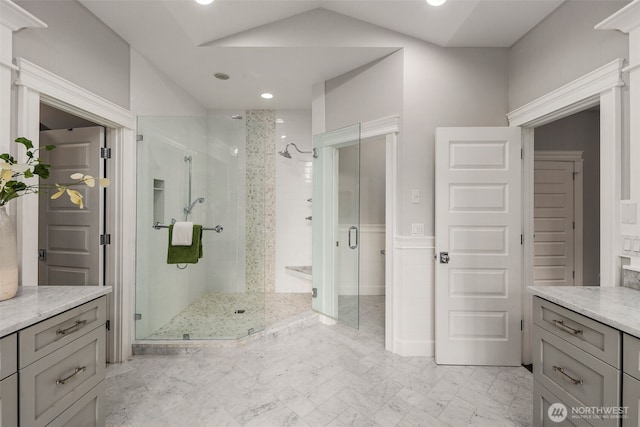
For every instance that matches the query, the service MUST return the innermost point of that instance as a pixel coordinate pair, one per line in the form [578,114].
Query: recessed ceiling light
[267,95]
[221,76]
[279,121]
[436,2]
[283,137]
[204,2]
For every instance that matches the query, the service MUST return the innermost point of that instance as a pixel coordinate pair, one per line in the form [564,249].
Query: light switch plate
[630,246]
[417,229]
[628,212]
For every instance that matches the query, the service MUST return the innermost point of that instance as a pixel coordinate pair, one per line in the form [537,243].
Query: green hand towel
[186,254]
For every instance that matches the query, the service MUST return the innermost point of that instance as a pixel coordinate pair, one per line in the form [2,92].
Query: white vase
[8,257]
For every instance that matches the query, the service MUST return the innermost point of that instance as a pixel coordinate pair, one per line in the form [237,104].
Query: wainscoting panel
[413,305]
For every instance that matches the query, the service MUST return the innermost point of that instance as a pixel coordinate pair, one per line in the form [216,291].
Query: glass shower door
[336,225]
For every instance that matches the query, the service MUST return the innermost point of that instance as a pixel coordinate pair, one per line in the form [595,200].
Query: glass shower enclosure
[195,169]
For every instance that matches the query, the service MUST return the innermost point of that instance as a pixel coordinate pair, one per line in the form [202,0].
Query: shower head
[188,209]
[285,152]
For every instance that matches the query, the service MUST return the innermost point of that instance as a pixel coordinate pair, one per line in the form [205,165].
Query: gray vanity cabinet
[58,370]
[8,381]
[631,380]
[576,362]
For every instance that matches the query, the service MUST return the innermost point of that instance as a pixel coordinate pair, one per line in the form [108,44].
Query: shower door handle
[353,228]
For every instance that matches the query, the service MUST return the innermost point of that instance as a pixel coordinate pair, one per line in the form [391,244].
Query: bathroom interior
[247,177]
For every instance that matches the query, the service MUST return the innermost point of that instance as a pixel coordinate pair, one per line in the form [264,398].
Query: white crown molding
[59,92]
[385,126]
[581,93]
[560,155]
[626,19]
[15,18]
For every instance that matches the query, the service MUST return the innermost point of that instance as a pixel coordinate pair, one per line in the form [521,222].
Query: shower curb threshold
[182,347]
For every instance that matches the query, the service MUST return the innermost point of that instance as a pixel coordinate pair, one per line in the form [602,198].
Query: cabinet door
[9,401]
[630,400]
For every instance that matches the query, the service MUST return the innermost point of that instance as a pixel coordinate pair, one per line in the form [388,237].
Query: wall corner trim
[575,96]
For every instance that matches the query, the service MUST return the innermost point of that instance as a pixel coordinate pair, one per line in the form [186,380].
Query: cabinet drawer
[542,400]
[8,355]
[631,356]
[42,338]
[593,337]
[88,411]
[9,401]
[577,378]
[53,383]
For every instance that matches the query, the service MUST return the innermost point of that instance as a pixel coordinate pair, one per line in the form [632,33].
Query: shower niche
[158,201]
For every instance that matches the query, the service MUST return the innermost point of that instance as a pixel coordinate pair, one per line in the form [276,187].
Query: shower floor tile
[231,316]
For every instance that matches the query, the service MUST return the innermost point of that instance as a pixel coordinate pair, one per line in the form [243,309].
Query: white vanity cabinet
[53,370]
[576,362]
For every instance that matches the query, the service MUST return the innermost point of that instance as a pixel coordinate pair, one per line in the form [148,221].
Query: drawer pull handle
[567,376]
[70,377]
[560,325]
[79,324]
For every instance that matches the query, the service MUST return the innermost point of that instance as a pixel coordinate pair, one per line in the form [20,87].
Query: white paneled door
[478,246]
[68,236]
[553,217]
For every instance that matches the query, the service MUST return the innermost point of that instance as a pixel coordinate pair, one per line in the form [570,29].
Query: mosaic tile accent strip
[631,279]
[261,206]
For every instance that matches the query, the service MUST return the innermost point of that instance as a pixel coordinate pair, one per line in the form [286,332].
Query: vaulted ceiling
[285,47]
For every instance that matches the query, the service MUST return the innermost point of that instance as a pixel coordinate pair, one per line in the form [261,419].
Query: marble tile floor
[318,376]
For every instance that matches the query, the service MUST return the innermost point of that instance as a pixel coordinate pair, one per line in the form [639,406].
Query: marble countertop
[36,303]
[618,307]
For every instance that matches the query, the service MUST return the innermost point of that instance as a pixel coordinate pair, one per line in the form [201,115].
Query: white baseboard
[414,348]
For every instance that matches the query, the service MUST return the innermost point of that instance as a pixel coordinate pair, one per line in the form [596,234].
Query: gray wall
[581,132]
[78,47]
[428,86]
[562,48]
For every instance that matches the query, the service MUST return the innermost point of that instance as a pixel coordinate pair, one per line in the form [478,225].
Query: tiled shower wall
[261,200]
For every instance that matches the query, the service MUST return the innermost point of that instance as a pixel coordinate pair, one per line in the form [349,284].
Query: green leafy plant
[15,176]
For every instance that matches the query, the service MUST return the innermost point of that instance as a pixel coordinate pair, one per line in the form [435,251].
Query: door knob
[444,258]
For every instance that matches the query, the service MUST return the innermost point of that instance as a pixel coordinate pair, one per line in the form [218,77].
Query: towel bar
[217,228]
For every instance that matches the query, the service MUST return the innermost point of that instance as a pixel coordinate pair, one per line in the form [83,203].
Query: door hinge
[574,274]
[522,239]
[522,153]
[42,254]
[521,325]
[105,153]
[108,325]
[337,243]
[105,239]
[574,225]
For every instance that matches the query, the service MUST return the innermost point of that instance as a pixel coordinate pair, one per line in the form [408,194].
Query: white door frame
[34,85]
[574,157]
[388,127]
[602,87]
